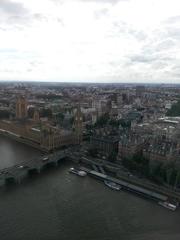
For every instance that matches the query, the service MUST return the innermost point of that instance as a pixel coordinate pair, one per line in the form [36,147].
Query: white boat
[168,205]
[113,185]
[78,172]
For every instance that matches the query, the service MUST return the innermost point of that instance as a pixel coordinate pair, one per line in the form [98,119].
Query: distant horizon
[88,82]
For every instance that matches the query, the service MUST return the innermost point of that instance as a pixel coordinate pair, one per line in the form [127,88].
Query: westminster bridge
[16,173]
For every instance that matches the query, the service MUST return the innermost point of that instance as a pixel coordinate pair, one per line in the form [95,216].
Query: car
[45,159]
[21,166]
[130,175]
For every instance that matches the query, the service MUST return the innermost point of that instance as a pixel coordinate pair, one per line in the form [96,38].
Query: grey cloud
[15,19]
[176,68]
[175,74]
[9,70]
[118,29]
[105,1]
[10,7]
[35,63]
[8,50]
[160,65]
[39,16]
[174,33]
[97,1]
[143,58]
[13,14]
[140,35]
[122,27]
[58,1]
[166,44]
[170,29]
[100,13]
[114,63]
[61,21]
[173,19]
[3,29]
[154,58]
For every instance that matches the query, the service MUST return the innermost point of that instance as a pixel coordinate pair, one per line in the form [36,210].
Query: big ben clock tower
[78,124]
[21,108]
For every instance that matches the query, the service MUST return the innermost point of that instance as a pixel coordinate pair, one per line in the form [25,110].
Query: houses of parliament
[38,132]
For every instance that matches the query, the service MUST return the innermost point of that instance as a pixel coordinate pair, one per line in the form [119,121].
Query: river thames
[57,205]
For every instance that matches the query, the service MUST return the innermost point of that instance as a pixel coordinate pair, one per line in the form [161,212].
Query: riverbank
[115,171]
[23,140]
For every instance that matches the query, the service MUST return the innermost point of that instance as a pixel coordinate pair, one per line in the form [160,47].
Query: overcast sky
[90,40]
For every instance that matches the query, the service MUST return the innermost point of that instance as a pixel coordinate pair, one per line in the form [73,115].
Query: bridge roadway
[17,172]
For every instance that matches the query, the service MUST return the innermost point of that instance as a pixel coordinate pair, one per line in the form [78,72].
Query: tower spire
[78,124]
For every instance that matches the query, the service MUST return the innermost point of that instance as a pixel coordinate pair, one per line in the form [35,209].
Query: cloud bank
[90,40]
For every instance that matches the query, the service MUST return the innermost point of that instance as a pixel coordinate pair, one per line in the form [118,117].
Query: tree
[4,114]
[177,181]
[93,152]
[102,120]
[112,157]
[46,112]
[175,110]
[158,172]
[114,123]
[124,123]
[60,117]
[71,120]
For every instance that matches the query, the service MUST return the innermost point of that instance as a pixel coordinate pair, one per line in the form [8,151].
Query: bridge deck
[18,171]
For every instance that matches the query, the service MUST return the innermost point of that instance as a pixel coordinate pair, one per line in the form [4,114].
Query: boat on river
[78,172]
[168,205]
[113,185]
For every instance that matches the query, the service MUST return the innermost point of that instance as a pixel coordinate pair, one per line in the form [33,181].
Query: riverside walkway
[123,176]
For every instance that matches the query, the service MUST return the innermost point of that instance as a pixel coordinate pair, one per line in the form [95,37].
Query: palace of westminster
[38,132]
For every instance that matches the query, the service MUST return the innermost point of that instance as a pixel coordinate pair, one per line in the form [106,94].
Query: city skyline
[130,41]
